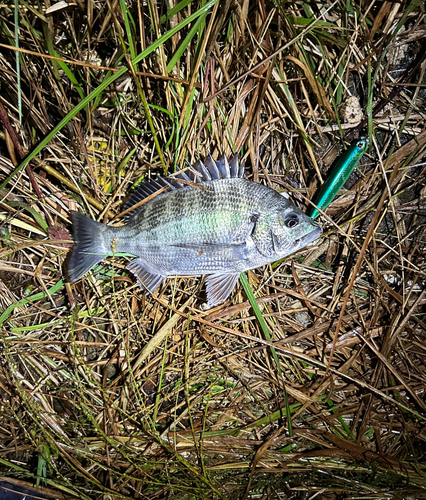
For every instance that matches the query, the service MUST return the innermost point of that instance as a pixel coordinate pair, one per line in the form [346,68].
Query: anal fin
[149,281]
[219,287]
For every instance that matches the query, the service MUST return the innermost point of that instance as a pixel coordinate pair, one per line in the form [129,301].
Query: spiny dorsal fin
[145,189]
[198,173]
[223,166]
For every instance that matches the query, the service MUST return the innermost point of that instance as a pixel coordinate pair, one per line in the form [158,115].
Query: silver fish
[210,221]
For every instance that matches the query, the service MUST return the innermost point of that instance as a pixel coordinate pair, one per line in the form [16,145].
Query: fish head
[292,229]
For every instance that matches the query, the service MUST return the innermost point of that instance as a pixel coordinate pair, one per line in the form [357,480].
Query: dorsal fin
[223,166]
[200,172]
[201,169]
[145,189]
[235,168]
[212,167]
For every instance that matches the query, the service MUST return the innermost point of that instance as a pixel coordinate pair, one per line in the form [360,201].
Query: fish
[206,220]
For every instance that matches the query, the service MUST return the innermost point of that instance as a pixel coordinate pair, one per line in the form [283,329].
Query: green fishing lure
[340,175]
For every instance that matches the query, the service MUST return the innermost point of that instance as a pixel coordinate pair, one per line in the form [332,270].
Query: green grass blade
[265,329]
[126,15]
[71,76]
[33,298]
[177,8]
[37,217]
[184,45]
[18,61]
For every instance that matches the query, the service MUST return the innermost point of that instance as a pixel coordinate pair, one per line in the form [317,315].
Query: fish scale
[223,209]
[220,225]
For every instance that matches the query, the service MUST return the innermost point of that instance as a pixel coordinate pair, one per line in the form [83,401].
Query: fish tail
[88,249]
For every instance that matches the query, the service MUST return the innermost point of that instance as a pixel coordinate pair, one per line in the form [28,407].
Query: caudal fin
[88,249]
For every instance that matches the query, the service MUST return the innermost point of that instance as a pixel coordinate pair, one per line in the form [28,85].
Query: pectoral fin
[219,287]
[149,280]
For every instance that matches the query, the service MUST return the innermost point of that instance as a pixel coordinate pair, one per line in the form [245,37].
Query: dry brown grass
[110,393]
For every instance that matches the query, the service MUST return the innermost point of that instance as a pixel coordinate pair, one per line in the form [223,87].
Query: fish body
[211,221]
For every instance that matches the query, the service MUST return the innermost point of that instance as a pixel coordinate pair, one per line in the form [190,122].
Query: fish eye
[291,220]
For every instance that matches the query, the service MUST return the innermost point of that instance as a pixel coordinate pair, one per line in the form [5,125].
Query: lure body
[339,175]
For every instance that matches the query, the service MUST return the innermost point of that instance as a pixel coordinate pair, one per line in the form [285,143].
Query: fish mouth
[309,238]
